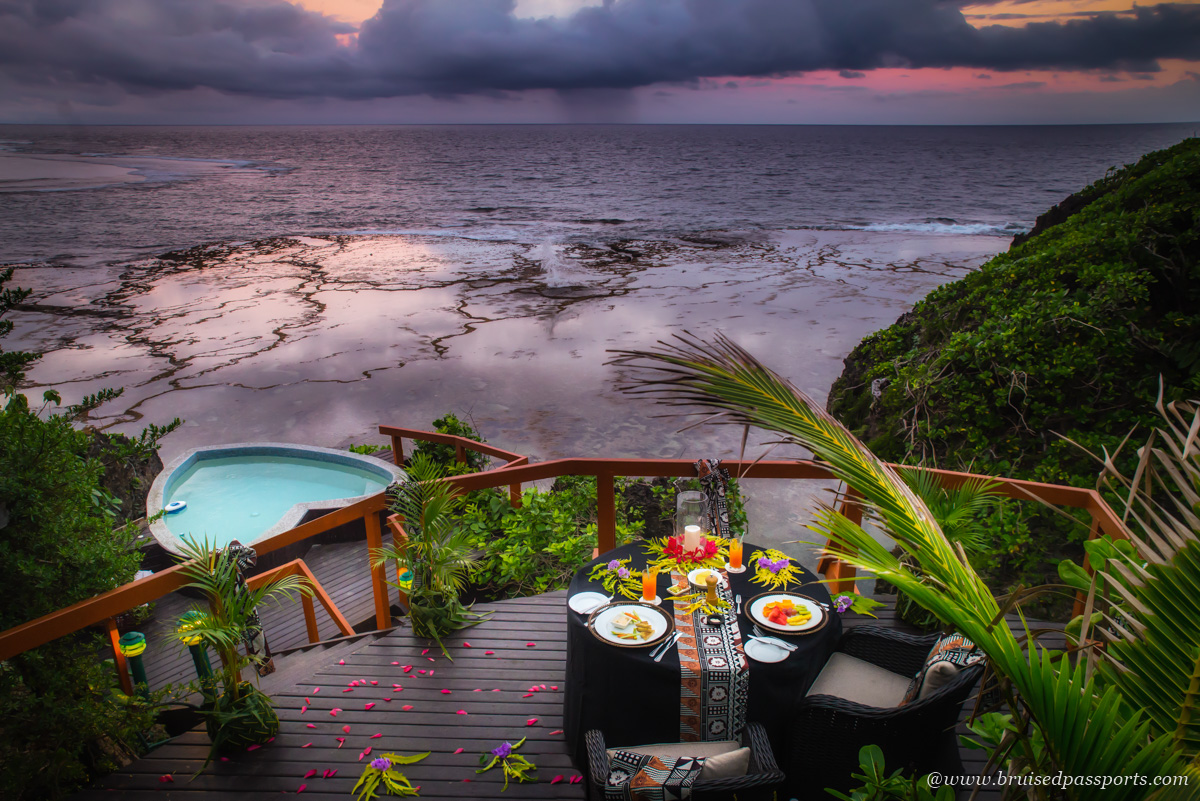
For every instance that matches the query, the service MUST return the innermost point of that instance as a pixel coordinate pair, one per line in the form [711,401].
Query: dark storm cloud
[448,47]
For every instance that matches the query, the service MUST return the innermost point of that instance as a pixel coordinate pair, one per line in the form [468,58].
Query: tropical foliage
[879,785]
[1063,718]
[238,714]
[1067,333]
[381,773]
[437,551]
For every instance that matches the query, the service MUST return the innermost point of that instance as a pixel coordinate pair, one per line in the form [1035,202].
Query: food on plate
[628,626]
[784,612]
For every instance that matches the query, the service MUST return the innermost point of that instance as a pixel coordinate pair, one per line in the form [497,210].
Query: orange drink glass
[649,585]
[735,554]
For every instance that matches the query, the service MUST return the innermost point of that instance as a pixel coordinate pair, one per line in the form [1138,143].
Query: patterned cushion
[949,655]
[723,759]
[646,777]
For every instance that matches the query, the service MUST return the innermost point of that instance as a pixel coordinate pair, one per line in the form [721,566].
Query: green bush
[1066,335]
[444,454]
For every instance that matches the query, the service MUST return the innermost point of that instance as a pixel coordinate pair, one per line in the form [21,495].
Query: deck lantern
[132,645]
[187,622]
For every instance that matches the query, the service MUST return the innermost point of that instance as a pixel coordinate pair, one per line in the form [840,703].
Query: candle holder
[690,543]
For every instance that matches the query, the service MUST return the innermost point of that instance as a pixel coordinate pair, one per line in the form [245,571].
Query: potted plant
[437,552]
[237,714]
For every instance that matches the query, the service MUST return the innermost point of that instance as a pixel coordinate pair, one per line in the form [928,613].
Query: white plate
[587,602]
[601,623]
[695,583]
[756,613]
[761,651]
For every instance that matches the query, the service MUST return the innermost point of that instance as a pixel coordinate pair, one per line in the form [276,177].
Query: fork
[762,635]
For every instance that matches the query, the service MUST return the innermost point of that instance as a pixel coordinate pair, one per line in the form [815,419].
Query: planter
[251,720]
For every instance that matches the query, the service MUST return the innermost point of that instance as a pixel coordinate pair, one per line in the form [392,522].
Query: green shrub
[444,454]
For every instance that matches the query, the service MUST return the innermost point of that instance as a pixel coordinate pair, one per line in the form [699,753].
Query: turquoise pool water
[240,497]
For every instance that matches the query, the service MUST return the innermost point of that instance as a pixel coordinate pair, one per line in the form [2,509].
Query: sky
[598,61]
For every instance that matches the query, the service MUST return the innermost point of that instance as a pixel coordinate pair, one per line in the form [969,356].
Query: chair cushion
[857,680]
[947,657]
[723,759]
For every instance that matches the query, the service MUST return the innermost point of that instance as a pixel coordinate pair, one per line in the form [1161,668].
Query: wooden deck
[489,687]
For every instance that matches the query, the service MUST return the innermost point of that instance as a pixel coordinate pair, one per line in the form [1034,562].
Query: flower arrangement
[618,578]
[381,771]
[773,569]
[855,603]
[515,766]
[665,554]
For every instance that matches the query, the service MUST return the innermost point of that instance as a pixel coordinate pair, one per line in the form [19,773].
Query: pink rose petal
[374,682]
[488,653]
[531,721]
[368,706]
[466,645]
[367,750]
[557,731]
[420,671]
[303,709]
[312,725]
[333,712]
[542,686]
[431,671]
[376,736]
[407,668]
[527,695]
[387,700]
[341,661]
[307,701]
[352,684]
[496,690]
[430,658]
[461,712]
[406,707]
[341,741]
[300,789]
[346,728]
[553,686]
[224,759]
[445,692]
[166,777]
[556,779]
[316,690]
[333,773]
[458,750]
[425,652]
[395,663]
[311,773]
[348,690]
[576,779]
[254,747]
[531,645]
[477,690]
[306,745]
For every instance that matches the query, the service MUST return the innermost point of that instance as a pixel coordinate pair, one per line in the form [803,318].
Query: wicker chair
[762,778]
[827,731]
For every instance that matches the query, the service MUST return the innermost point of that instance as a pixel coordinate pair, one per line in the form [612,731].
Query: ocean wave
[941,227]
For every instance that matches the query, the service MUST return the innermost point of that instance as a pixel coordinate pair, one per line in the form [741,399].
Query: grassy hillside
[1065,334]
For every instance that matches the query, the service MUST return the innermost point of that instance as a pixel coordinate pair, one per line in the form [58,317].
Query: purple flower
[843,603]
[381,763]
[764,562]
[774,567]
[503,750]
[623,573]
[614,565]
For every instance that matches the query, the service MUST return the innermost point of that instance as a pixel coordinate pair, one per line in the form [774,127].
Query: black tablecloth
[635,701]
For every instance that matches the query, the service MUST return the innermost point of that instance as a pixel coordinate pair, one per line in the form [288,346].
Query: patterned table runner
[714,677]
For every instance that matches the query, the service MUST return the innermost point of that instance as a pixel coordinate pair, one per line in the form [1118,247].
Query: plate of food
[787,612]
[699,577]
[630,625]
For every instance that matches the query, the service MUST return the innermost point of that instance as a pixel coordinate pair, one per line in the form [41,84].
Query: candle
[735,554]
[649,585]
[691,538]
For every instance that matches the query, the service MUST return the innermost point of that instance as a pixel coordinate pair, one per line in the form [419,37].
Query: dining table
[704,688]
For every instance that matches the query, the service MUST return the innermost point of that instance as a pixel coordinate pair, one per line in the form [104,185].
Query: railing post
[460,453]
[119,658]
[310,618]
[606,513]
[842,575]
[514,495]
[383,606]
[397,450]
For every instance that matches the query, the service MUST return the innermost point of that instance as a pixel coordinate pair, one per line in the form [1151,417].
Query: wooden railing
[516,471]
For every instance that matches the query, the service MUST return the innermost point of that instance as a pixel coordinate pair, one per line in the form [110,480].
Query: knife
[662,646]
[670,643]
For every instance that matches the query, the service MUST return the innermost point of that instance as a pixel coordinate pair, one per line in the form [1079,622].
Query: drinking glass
[649,585]
[735,554]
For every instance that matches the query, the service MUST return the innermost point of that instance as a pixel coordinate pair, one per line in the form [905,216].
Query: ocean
[330,279]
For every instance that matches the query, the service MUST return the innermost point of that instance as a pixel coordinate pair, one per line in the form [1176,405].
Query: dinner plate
[761,651]
[721,582]
[660,622]
[587,602]
[758,602]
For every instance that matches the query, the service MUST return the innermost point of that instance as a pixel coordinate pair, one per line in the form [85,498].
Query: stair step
[298,664]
